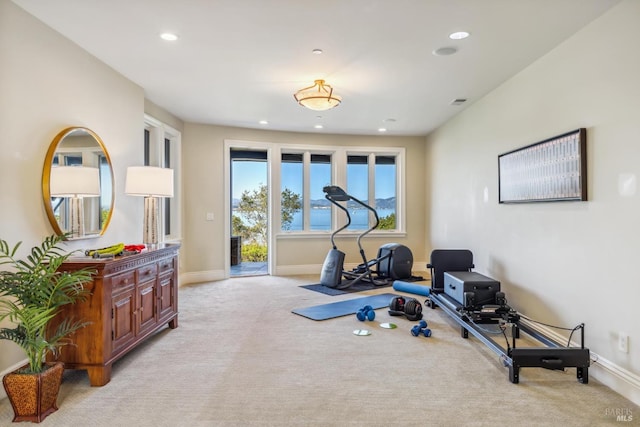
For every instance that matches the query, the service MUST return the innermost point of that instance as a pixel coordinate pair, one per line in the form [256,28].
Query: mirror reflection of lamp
[75,183]
[151,183]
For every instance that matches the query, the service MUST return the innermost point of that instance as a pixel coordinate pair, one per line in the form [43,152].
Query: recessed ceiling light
[459,35]
[170,37]
[445,51]
[382,129]
[263,122]
[317,51]
[318,126]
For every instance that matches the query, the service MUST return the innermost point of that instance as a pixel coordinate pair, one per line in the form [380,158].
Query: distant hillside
[388,203]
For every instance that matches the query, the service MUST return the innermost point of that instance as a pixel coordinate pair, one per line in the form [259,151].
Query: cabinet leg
[99,376]
[173,323]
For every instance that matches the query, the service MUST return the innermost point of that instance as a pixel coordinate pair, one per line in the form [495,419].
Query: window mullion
[306,191]
[371,188]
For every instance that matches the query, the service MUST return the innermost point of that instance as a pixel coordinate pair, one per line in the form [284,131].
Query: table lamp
[151,183]
[75,183]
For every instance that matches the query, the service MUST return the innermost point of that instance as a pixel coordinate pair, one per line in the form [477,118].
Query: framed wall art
[551,170]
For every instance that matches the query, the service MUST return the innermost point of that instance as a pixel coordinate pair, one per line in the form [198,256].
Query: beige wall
[568,262]
[203,166]
[46,84]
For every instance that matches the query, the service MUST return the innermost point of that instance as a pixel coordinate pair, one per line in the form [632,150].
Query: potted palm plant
[32,292]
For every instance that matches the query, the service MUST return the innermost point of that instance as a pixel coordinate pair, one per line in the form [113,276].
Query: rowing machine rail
[554,356]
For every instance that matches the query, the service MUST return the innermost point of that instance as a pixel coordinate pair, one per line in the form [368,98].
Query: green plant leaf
[32,292]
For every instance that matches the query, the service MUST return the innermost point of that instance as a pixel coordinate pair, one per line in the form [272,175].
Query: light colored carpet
[241,358]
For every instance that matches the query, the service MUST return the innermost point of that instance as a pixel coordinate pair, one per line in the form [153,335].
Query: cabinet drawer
[124,279]
[165,265]
[147,272]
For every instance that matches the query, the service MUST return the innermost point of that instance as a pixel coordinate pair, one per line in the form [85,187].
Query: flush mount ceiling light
[318,97]
[459,35]
[170,37]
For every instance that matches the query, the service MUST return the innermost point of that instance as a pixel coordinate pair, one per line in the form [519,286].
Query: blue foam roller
[411,288]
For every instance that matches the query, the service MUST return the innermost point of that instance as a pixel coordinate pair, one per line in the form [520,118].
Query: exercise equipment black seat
[443,260]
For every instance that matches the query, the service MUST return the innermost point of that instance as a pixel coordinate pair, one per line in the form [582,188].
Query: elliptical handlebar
[336,194]
[334,198]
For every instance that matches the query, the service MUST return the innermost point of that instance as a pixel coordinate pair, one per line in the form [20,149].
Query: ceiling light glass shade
[318,97]
[459,35]
[74,181]
[149,181]
[170,37]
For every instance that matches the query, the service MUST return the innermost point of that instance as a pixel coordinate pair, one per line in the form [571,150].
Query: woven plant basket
[34,396]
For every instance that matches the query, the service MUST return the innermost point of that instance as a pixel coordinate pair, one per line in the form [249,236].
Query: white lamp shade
[149,181]
[74,181]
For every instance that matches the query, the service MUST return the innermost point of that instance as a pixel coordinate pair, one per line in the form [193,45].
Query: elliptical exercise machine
[394,261]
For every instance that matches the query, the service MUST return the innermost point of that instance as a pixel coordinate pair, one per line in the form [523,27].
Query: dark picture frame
[547,171]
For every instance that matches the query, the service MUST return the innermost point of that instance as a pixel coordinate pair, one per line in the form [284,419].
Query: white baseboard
[616,378]
[213,275]
[282,270]
[200,277]
[294,270]
[620,380]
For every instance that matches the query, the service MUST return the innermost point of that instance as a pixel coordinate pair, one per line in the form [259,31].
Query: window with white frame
[162,149]
[372,176]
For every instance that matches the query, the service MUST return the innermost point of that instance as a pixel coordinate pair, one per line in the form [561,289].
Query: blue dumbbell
[366,313]
[421,329]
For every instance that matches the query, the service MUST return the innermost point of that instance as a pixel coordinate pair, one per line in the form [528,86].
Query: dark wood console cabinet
[131,298]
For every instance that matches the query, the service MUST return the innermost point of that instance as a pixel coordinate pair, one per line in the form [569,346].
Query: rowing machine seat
[443,260]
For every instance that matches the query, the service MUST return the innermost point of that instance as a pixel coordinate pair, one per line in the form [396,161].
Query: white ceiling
[240,61]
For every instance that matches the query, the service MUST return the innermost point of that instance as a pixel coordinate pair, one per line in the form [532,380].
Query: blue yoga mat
[411,288]
[344,308]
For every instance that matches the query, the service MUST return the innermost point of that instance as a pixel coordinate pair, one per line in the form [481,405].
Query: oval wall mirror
[77,184]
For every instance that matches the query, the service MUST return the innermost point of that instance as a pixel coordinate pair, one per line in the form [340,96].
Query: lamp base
[150,235]
[76,217]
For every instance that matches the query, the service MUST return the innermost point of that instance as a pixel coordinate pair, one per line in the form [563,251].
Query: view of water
[321,219]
